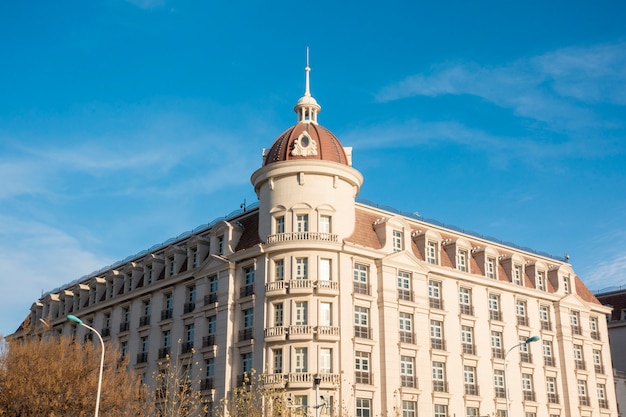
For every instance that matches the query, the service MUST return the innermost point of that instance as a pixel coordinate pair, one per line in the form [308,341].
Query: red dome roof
[306,140]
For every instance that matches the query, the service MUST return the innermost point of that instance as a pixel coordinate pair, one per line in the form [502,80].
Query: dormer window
[517,274]
[194,257]
[566,285]
[461,260]
[431,252]
[397,241]
[220,245]
[541,281]
[172,265]
[490,268]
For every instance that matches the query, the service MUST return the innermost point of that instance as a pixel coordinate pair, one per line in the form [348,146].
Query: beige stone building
[379,312]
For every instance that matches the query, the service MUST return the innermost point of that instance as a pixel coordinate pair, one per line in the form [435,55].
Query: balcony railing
[327,331]
[469,348]
[300,330]
[603,403]
[595,335]
[548,360]
[576,329]
[142,357]
[599,369]
[579,364]
[553,398]
[246,291]
[163,352]
[407,337]
[466,309]
[362,377]
[287,237]
[525,357]
[361,288]
[471,389]
[546,325]
[124,326]
[105,332]
[497,353]
[583,400]
[500,392]
[187,347]
[246,334]
[405,295]
[301,284]
[407,381]
[166,314]
[144,320]
[208,340]
[363,332]
[440,386]
[435,303]
[522,321]
[210,298]
[495,315]
[207,383]
[189,307]
[437,343]
[529,395]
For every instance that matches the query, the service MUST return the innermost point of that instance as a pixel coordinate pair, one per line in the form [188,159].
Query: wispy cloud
[558,88]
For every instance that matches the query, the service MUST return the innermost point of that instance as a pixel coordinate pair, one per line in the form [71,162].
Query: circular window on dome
[304,146]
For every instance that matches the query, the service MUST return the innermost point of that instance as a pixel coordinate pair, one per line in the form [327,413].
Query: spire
[307,108]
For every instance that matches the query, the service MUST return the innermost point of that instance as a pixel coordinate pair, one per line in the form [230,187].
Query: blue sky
[126,123]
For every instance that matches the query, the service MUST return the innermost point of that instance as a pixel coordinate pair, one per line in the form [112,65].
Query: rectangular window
[302,268]
[325,270]
[467,340]
[324,224]
[406,327]
[190,304]
[248,318]
[397,241]
[302,315]
[325,315]
[469,380]
[544,317]
[363,407]
[465,301]
[582,392]
[597,361]
[490,268]
[194,257]
[431,253]
[361,322]
[436,335]
[494,307]
[471,412]
[280,224]
[551,390]
[520,312]
[404,286]
[498,383]
[517,275]
[302,223]
[362,367]
[547,353]
[279,314]
[527,387]
[172,264]
[593,326]
[541,281]
[578,357]
[439,377]
[602,401]
[434,295]
[566,285]
[279,270]
[461,260]
[407,367]
[496,344]
[278,361]
[246,362]
[441,410]
[301,360]
[326,361]
[360,278]
[220,245]
[408,409]
[574,318]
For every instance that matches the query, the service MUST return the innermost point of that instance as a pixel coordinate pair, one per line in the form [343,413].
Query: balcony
[522,321]
[525,357]
[327,287]
[437,343]
[466,309]
[469,349]
[300,286]
[595,335]
[166,314]
[327,333]
[576,329]
[208,340]
[405,295]
[207,384]
[599,369]
[546,325]
[299,236]
[246,334]
[305,379]
[495,315]
[187,347]
[529,395]
[471,389]
[407,337]
[440,386]
[553,398]
[408,381]
[302,332]
[500,392]
[246,291]
[144,321]
[189,307]
[583,400]
[497,353]
[163,352]
[361,377]
[579,364]
[124,326]
[436,303]
[142,357]
[603,403]
[276,288]
[361,288]
[210,298]
[548,360]
[362,332]
[276,333]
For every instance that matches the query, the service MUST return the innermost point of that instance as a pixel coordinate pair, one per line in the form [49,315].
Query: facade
[379,313]
[616,300]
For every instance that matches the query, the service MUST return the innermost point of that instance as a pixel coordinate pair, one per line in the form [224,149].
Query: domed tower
[306,183]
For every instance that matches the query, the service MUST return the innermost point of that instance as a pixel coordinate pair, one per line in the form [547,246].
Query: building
[616,300]
[380,312]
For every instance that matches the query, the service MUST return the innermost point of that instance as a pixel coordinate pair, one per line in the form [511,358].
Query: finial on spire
[307,108]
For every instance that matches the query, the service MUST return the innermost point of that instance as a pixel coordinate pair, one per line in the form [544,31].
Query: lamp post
[316,381]
[506,383]
[80,322]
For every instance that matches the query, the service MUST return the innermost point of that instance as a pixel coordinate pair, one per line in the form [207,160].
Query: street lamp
[317,380]
[506,383]
[80,322]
